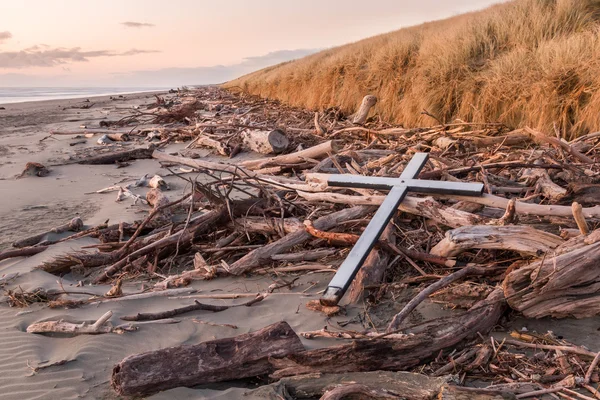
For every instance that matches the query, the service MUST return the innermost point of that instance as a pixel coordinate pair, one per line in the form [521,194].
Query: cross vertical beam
[357,256]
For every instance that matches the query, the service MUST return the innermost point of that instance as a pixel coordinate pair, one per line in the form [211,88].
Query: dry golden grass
[527,62]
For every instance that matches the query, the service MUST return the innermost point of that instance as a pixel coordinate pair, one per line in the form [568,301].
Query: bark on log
[265,142]
[564,286]
[213,361]
[261,255]
[373,270]
[363,111]
[267,225]
[412,386]
[450,392]
[74,225]
[313,153]
[425,342]
[511,139]
[523,239]
[361,391]
[121,156]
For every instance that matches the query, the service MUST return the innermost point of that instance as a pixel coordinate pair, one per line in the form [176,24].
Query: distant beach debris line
[522,63]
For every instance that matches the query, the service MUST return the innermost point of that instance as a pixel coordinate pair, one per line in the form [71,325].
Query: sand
[32,204]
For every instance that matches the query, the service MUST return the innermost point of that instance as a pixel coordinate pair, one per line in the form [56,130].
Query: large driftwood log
[373,270]
[213,361]
[561,286]
[263,254]
[412,386]
[523,239]
[313,153]
[265,142]
[363,111]
[400,353]
[426,207]
[73,225]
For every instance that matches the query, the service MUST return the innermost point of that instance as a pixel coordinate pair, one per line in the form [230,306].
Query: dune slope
[526,62]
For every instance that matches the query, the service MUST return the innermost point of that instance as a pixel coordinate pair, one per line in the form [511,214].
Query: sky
[158,43]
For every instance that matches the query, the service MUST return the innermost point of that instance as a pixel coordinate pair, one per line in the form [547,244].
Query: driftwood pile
[529,244]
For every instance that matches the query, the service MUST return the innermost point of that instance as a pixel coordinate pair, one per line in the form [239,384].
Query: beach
[53,367]
[32,204]
[35,205]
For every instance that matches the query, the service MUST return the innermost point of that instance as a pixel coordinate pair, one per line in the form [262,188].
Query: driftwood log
[263,254]
[24,252]
[73,225]
[213,361]
[121,156]
[220,147]
[560,286]
[523,239]
[423,342]
[312,153]
[265,142]
[363,111]
[423,206]
[373,270]
[412,386]
[100,326]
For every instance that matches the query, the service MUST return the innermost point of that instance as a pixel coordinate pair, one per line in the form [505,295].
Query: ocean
[21,94]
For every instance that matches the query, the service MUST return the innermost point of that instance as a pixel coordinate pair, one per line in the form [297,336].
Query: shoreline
[97,97]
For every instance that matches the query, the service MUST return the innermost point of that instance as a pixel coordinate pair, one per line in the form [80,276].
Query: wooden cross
[398,187]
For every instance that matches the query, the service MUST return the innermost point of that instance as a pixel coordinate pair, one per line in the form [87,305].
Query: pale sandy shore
[30,205]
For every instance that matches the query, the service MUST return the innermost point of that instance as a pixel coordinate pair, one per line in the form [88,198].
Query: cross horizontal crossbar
[413,185]
[398,187]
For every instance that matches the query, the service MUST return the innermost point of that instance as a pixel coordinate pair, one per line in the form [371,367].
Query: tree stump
[265,142]
[363,112]
[563,286]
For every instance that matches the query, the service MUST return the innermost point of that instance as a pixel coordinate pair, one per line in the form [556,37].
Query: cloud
[4,36]
[133,24]
[166,77]
[207,75]
[276,57]
[44,56]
